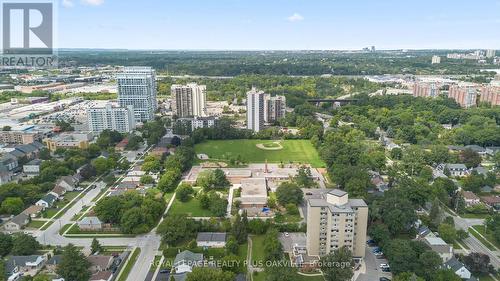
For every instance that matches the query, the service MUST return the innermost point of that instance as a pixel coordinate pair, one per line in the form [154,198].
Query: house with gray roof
[18,264]
[186,260]
[68,182]
[17,223]
[90,223]
[457,267]
[211,239]
[47,201]
[456,170]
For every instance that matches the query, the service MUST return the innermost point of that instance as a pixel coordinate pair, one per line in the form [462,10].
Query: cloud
[295,17]
[93,2]
[67,3]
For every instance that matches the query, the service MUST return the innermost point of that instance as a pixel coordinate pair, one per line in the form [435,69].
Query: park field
[296,151]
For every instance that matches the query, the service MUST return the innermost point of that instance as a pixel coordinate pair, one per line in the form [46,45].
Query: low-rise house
[69,140]
[470,198]
[186,260]
[32,168]
[122,145]
[68,182]
[47,201]
[9,162]
[100,263]
[5,177]
[480,170]
[492,150]
[492,201]
[53,262]
[211,239]
[33,211]
[15,264]
[17,222]
[101,276]
[90,223]
[457,170]
[444,250]
[379,183]
[486,189]
[476,148]
[457,267]
[58,191]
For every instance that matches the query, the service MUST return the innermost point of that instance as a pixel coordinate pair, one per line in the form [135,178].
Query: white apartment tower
[436,59]
[137,87]
[490,53]
[274,108]
[335,221]
[255,110]
[111,117]
[189,100]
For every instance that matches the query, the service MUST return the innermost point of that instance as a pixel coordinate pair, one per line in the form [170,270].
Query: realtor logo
[28,34]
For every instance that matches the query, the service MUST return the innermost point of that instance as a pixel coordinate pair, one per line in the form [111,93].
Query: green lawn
[128,267]
[481,229]
[474,231]
[36,224]
[190,208]
[298,151]
[258,253]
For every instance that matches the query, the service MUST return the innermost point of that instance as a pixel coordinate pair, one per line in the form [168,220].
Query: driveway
[372,267]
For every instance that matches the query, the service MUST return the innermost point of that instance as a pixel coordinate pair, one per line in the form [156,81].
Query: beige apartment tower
[334,221]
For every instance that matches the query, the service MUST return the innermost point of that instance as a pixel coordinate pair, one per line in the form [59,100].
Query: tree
[380,234]
[212,179]
[109,209]
[184,192]
[446,275]
[239,229]
[232,245]
[447,232]
[102,165]
[74,265]
[429,263]
[24,245]
[12,205]
[407,276]
[478,263]
[6,128]
[289,192]
[176,228]
[280,273]
[304,178]
[134,221]
[5,244]
[232,263]
[209,274]
[470,158]
[95,246]
[147,179]
[168,181]
[272,246]
[435,215]
[337,266]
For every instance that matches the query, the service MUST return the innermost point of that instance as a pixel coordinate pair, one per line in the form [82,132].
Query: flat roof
[253,187]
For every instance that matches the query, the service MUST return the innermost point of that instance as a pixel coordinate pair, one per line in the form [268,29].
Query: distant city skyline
[278,24]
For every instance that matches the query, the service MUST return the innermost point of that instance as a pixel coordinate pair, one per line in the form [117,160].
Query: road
[473,243]
[149,243]
[372,269]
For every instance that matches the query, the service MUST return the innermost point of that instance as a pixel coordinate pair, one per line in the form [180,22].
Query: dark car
[384,279]
[165,271]
[386,269]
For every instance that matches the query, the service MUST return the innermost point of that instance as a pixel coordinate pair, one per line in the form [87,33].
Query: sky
[278,24]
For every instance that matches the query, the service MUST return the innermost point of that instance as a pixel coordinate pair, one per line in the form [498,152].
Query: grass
[130,264]
[258,253]
[474,216]
[190,208]
[489,236]
[476,234]
[47,225]
[76,230]
[301,151]
[36,224]
[261,276]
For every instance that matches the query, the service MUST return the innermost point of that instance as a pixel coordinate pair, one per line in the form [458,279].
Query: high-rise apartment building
[255,110]
[436,59]
[426,90]
[490,53]
[111,117]
[491,95]
[465,95]
[334,221]
[274,108]
[137,87]
[189,100]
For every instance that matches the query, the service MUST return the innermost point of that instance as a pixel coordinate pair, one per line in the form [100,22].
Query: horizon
[278,25]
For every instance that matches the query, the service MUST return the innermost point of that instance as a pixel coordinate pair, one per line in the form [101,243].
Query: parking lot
[372,265]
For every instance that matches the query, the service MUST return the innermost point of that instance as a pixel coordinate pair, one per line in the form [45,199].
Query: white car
[286,234]
[382,265]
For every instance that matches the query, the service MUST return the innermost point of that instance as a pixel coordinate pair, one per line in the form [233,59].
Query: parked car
[383,265]
[384,279]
